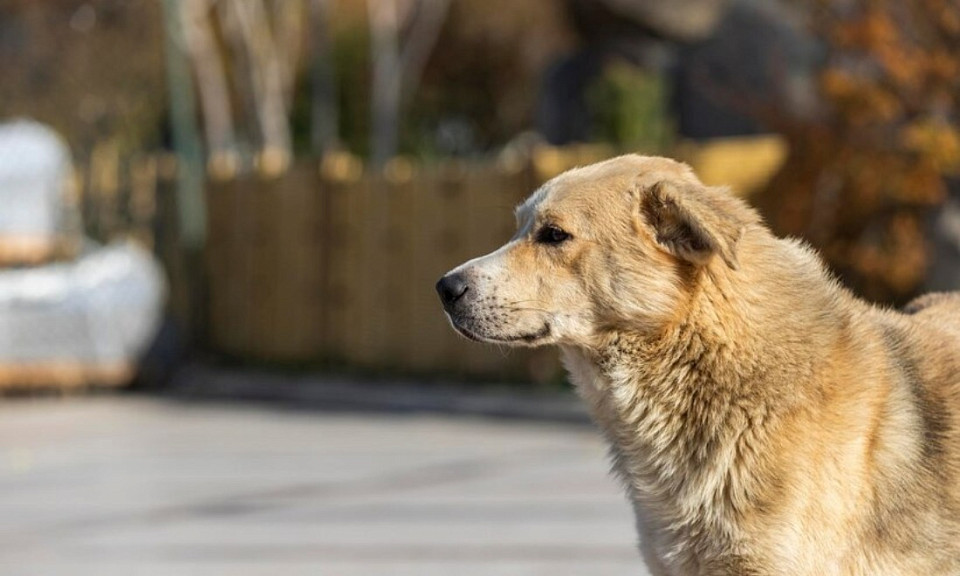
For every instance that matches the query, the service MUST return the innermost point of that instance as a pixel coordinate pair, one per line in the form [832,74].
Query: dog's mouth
[523,338]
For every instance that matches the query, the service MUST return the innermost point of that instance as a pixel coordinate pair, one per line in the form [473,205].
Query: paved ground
[127,485]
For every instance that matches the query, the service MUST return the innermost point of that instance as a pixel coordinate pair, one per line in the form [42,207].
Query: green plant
[628,106]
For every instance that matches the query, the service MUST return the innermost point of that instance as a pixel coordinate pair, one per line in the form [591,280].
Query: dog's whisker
[537,300]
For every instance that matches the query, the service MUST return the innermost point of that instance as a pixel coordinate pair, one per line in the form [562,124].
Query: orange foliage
[863,176]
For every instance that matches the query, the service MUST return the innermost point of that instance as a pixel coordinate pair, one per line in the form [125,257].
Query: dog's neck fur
[689,410]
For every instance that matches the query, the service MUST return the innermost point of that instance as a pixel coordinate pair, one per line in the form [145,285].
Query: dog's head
[615,245]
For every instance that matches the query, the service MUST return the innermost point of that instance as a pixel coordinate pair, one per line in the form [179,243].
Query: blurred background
[209,201]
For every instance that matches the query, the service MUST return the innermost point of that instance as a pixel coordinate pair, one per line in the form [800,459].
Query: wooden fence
[333,264]
[338,265]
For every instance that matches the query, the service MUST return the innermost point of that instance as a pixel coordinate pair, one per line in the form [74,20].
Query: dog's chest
[610,402]
[669,516]
[589,382]
[598,391]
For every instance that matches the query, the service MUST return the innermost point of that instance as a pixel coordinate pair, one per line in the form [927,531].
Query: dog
[762,419]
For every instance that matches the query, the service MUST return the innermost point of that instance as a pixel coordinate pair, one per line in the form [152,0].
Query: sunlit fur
[762,419]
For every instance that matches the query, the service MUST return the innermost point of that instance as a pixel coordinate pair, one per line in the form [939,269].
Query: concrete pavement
[136,485]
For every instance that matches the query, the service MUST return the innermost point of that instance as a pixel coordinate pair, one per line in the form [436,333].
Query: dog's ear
[693,222]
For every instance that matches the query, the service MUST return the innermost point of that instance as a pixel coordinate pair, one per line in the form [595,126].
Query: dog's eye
[551,235]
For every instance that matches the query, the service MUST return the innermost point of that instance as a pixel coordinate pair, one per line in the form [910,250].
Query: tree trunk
[212,87]
[325,112]
[387,77]
[398,63]
[256,39]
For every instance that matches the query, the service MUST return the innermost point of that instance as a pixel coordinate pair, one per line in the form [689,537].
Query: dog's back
[936,322]
[915,467]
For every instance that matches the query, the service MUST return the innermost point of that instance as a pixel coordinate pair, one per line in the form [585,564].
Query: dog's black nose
[451,288]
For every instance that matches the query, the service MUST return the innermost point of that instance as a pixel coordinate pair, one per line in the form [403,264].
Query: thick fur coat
[762,419]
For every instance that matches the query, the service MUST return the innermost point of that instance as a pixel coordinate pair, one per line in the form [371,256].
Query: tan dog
[762,419]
